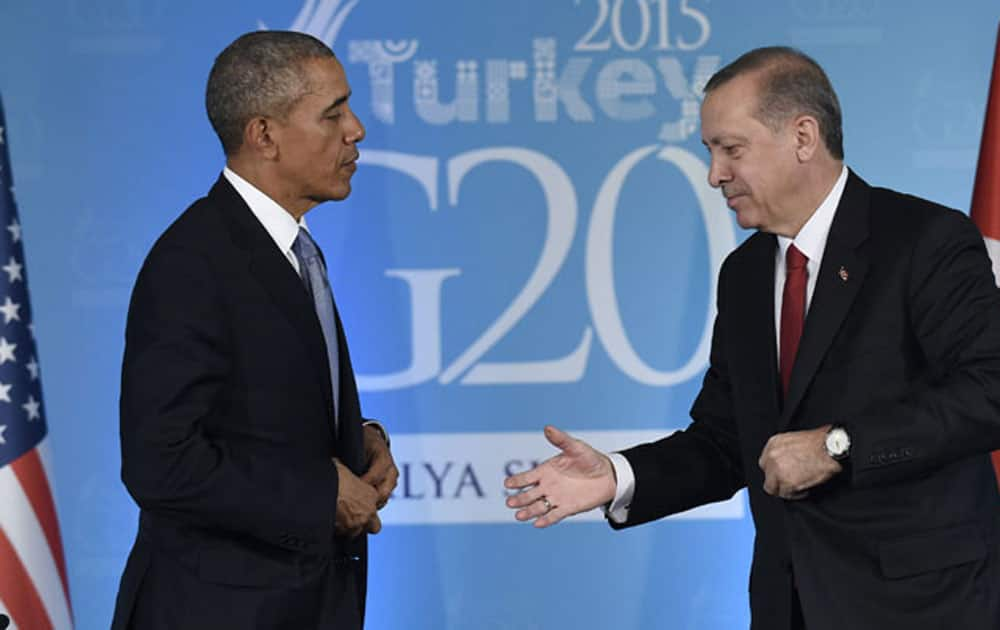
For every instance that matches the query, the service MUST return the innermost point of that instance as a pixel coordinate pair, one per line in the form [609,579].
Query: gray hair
[790,83]
[259,74]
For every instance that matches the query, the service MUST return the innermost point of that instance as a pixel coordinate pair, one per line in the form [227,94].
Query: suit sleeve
[701,464]
[953,411]
[176,379]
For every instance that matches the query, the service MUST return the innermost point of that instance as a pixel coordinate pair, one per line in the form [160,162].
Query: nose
[718,174]
[356,132]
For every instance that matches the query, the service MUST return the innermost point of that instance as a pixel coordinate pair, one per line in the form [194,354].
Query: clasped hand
[796,461]
[360,498]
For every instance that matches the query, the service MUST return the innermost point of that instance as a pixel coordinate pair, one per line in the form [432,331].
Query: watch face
[837,442]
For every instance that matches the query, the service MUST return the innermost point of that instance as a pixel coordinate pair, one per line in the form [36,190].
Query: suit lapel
[754,293]
[761,301]
[273,271]
[841,274]
[350,442]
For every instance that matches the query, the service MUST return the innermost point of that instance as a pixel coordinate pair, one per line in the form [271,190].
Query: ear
[259,137]
[808,139]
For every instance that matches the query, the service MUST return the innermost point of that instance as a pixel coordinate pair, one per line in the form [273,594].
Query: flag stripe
[986,192]
[45,455]
[985,210]
[18,591]
[29,472]
[993,249]
[5,609]
[22,529]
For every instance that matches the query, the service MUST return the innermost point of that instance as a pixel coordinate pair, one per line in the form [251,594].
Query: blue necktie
[313,273]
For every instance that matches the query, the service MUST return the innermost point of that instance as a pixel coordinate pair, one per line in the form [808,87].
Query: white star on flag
[10,311]
[7,351]
[33,368]
[15,230]
[33,576]
[32,408]
[13,269]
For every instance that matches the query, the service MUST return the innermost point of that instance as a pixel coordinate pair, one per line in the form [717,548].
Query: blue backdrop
[531,239]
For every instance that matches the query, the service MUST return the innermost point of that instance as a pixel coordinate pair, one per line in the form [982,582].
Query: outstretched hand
[578,479]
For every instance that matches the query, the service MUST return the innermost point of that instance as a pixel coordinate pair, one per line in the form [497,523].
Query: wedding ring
[545,501]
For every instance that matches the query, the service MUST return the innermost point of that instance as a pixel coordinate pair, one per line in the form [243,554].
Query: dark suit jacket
[227,434]
[903,347]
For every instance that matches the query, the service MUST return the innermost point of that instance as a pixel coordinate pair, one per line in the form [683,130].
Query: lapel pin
[843,274]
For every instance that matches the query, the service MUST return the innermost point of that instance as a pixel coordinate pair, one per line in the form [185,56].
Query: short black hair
[259,74]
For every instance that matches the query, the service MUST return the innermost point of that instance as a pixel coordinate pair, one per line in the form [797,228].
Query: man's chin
[336,194]
[747,220]
[341,192]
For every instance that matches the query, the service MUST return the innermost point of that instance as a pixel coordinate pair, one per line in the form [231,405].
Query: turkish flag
[986,194]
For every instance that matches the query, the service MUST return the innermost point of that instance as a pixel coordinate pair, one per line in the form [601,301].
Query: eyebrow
[337,103]
[722,139]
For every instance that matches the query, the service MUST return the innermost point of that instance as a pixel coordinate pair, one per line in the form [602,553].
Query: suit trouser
[797,622]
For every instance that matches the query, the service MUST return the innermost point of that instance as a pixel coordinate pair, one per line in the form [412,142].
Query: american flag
[34,592]
[986,193]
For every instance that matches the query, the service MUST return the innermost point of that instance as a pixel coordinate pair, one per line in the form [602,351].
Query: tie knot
[794,259]
[304,246]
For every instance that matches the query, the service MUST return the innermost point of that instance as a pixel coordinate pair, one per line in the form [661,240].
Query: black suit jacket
[227,435]
[901,344]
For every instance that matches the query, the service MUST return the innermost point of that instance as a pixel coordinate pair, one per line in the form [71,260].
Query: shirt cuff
[624,489]
[381,430]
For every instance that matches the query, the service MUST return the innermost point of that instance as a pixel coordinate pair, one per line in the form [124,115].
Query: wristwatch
[838,442]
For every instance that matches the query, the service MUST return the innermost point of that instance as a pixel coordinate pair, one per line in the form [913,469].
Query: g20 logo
[471,367]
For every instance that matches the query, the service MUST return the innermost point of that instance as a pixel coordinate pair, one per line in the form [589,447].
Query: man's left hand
[796,461]
[381,473]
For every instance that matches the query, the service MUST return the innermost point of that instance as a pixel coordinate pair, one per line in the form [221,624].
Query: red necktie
[793,311]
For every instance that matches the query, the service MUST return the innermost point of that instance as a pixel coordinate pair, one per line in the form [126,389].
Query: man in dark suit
[853,385]
[242,436]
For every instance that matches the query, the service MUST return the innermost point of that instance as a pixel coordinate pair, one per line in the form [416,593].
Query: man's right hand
[578,479]
[356,504]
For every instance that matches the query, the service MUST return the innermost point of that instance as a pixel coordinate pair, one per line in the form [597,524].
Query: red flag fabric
[986,194]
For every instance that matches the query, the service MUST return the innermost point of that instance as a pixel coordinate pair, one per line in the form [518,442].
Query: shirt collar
[280,225]
[811,239]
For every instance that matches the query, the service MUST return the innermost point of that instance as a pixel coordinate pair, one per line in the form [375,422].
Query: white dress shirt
[811,241]
[278,222]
